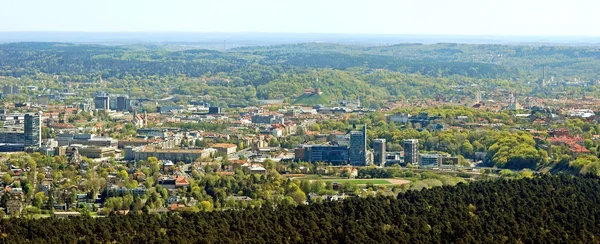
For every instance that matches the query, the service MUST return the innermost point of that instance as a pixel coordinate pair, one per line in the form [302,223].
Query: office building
[358,147]
[411,151]
[8,90]
[379,152]
[102,103]
[267,119]
[430,160]
[12,137]
[214,110]
[122,103]
[335,155]
[33,130]
[86,140]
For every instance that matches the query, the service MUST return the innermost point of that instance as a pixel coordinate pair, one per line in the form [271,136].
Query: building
[33,130]
[86,140]
[14,205]
[8,89]
[398,118]
[214,110]
[102,103]
[226,148]
[379,152]
[267,119]
[411,151]
[450,161]
[97,152]
[168,109]
[431,160]
[175,155]
[123,103]
[139,120]
[12,137]
[358,147]
[335,155]
[88,105]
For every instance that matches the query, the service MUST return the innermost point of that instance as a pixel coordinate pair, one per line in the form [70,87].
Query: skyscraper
[33,130]
[411,151]
[379,151]
[358,147]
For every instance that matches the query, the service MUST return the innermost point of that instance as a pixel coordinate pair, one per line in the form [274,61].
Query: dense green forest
[371,73]
[548,209]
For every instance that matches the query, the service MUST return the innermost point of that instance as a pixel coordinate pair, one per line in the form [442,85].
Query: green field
[361,181]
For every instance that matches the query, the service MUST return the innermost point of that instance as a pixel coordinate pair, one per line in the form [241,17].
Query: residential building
[411,151]
[358,147]
[379,152]
[227,148]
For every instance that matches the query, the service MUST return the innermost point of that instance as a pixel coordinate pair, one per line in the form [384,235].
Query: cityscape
[299,122]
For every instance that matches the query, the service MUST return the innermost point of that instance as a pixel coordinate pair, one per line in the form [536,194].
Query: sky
[417,17]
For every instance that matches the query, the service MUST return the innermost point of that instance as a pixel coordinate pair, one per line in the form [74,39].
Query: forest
[549,209]
[247,74]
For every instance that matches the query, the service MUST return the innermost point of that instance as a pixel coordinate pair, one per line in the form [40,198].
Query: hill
[311,99]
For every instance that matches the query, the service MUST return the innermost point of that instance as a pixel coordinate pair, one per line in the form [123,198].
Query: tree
[299,196]
[273,142]
[39,199]
[7,179]
[206,206]
[123,175]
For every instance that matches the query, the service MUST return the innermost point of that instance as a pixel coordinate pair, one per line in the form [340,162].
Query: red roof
[576,148]
[181,181]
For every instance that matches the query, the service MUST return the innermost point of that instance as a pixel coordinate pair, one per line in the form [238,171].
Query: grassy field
[361,181]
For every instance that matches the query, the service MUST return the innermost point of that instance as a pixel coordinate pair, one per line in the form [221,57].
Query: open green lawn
[361,181]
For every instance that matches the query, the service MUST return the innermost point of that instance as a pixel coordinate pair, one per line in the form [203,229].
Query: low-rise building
[226,148]
[175,155]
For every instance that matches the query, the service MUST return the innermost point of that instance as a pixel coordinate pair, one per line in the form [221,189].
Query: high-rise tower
[33,130]
[358,147]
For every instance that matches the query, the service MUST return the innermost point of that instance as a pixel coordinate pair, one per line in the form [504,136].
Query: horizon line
[300,33]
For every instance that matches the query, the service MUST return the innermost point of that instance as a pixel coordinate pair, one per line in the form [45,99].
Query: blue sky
[432,17]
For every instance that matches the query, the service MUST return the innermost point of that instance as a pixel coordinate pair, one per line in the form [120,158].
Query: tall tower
[33,132]
[411,151]
[379,152]
[358,147]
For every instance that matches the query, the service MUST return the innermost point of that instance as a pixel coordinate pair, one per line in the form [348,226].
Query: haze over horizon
[433,17]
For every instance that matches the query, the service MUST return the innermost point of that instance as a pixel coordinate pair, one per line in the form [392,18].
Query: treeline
[549,209]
